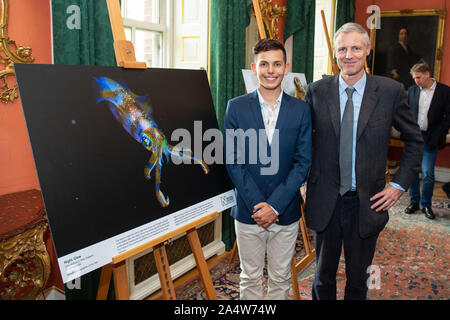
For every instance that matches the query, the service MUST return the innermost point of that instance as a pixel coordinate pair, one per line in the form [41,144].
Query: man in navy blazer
[429,101]
[268,155]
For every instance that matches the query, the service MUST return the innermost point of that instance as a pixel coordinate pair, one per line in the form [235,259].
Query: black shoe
[413,207]
[428,213]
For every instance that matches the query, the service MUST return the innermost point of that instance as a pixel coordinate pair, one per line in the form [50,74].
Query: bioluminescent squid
[135,114]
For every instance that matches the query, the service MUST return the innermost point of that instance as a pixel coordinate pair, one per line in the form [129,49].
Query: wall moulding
[10,53]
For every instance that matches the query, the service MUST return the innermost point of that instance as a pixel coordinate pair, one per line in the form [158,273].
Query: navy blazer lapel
[332,95]
[283,114]
[256,110]
[368,104]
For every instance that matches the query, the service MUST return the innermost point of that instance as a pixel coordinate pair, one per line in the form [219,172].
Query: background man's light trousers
[253,242]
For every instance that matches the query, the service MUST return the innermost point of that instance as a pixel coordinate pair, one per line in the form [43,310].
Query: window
[145,26]
[322,63]
[168,33]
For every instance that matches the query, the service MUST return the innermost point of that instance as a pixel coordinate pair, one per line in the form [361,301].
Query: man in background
[430,103]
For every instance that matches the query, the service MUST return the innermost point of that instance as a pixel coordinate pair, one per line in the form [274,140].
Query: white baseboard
[442,174]
[52,293]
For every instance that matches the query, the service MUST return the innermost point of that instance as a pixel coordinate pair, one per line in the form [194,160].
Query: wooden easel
[334,67]
[126,58]
[310,253]
[118,267]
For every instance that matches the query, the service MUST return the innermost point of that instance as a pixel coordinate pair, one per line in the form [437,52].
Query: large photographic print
[112,177]
[404,38]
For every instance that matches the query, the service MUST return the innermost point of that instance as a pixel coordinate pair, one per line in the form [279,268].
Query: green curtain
[88,43]
[82,36]
[229,20]
[345,12]
[300,22]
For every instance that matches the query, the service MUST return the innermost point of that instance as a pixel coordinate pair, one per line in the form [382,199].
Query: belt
[350,193]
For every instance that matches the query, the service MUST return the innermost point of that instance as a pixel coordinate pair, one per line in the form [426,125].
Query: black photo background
[91,171]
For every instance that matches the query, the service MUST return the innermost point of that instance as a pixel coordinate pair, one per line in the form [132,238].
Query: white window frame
[330,25]
[164,27]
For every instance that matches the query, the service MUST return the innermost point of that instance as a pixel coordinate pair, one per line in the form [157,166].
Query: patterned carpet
[412,259]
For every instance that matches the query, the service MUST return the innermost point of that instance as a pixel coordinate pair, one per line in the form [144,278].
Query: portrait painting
[404,38]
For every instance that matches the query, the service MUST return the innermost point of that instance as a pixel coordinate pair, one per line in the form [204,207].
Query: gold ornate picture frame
[10,53]
[425,30]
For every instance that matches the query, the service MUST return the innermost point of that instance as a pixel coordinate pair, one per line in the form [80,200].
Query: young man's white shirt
[270,114]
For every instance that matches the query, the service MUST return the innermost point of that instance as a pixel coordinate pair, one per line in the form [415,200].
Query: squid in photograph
[134,113]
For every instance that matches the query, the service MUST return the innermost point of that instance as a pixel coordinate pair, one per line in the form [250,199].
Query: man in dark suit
[268,203]
[347,198]
[430,103]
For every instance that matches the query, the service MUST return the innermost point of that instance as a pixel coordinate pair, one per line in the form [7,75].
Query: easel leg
[103,286]
[305,235]
[309,256]
[121,281]
[196,248]
[387,173]
[233,252]
[165,278]
[294,280]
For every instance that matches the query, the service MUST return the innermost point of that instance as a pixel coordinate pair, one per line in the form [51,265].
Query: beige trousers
[253,243]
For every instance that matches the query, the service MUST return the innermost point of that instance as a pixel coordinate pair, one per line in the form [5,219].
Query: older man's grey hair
[353,27]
